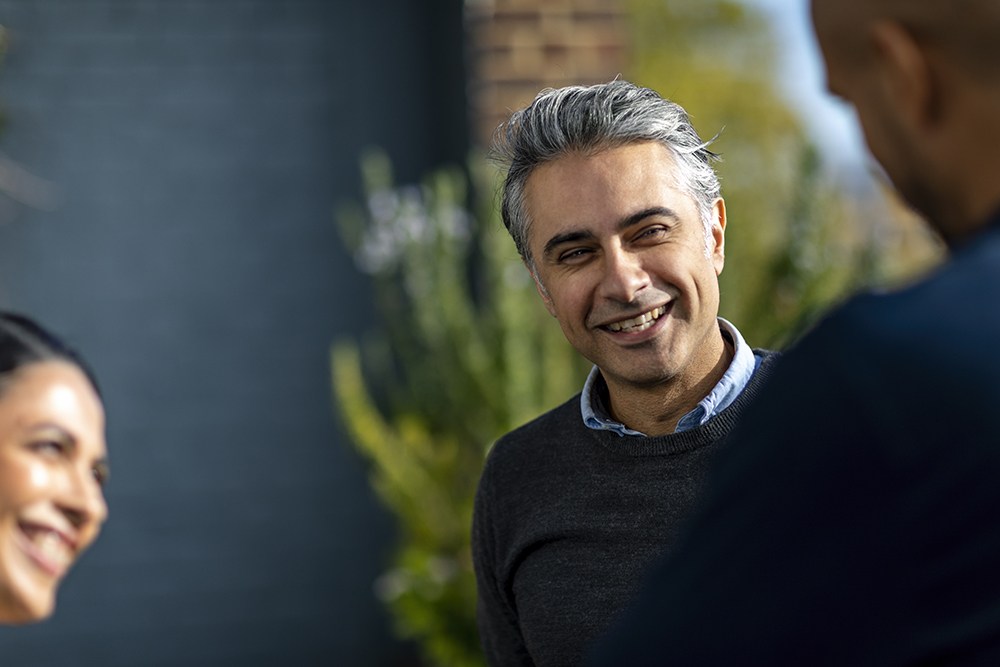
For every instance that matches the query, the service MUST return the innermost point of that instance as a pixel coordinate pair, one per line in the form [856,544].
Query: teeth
[640,323]
[52,546]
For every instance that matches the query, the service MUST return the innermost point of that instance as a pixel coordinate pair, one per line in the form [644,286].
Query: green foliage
[451,369]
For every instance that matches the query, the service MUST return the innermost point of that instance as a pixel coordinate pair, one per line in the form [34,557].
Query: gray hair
[590,119]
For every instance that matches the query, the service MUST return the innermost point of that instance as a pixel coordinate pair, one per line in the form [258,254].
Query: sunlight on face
[52,467]
[621,263]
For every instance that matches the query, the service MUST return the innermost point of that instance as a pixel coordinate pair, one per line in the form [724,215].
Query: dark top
[855,519]
[567,519]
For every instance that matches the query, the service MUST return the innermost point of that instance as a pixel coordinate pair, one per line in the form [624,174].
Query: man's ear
[906,75]
[718,238]
[542,292]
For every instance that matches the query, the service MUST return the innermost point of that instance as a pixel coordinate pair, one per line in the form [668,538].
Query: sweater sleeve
[496,615]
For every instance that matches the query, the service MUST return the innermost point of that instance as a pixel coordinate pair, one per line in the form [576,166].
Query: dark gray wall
[199,148]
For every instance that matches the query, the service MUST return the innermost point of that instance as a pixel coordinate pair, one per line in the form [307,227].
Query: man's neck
[656,410]
[965,162]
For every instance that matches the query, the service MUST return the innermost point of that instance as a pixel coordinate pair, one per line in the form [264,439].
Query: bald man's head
[924,78]
[966,30]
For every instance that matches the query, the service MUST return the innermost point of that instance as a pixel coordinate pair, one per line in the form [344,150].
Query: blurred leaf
[450,369]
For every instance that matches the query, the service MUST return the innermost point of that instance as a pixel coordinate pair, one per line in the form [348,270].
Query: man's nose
[624,275]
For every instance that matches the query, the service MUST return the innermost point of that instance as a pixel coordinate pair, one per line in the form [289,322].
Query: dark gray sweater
[567,519]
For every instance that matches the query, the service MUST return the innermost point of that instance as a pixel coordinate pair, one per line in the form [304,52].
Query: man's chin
[639,378]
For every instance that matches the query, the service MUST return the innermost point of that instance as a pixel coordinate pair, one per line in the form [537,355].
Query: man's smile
[639,323]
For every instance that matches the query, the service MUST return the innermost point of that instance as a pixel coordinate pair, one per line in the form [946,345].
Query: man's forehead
[644,153]
[828,14]
[966,27]
[841,30]
[926,12]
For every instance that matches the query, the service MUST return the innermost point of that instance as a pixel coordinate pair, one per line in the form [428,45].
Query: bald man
[856,518]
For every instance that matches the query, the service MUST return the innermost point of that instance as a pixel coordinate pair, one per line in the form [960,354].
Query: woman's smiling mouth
[48,548]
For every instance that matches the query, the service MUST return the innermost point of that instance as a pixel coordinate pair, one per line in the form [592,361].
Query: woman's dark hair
[23,341]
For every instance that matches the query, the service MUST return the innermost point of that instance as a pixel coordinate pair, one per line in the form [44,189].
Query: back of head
[23,342]
[589,119]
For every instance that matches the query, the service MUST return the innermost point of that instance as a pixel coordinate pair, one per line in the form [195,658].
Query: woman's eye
[49,447]
[101,473]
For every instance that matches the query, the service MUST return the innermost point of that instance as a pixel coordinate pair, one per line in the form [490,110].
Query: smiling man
[612,202]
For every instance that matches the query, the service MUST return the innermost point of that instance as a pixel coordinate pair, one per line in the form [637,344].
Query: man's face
[621,260]
[856,74]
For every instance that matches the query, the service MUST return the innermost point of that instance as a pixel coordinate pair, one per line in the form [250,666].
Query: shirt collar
[597,416]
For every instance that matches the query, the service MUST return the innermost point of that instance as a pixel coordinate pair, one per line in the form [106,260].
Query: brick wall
[518,47]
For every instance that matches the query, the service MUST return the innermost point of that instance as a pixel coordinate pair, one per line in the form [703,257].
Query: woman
[52,466]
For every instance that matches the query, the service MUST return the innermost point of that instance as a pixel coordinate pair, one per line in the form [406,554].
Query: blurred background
[269,225]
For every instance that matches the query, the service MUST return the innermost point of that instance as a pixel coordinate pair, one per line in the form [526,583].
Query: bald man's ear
[906,75]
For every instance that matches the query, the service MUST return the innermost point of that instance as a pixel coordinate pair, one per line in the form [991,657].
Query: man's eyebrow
[639,216]
[623,224]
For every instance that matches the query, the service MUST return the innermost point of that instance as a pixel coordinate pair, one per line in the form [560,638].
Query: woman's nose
[83,499]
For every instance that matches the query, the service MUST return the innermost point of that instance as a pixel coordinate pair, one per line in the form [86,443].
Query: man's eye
[574,255]
[651,233]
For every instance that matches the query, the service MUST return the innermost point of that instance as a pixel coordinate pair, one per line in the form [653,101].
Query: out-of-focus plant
[464,353]
[16,182]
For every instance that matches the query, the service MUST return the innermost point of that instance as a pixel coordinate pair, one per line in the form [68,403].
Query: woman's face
[52,467]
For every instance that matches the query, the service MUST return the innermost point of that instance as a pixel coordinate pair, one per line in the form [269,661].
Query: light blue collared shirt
[740,370]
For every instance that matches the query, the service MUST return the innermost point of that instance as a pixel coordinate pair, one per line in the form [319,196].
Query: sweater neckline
[708,433]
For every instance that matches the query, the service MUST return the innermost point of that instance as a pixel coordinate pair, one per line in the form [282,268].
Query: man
[856,517]
[615,209]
